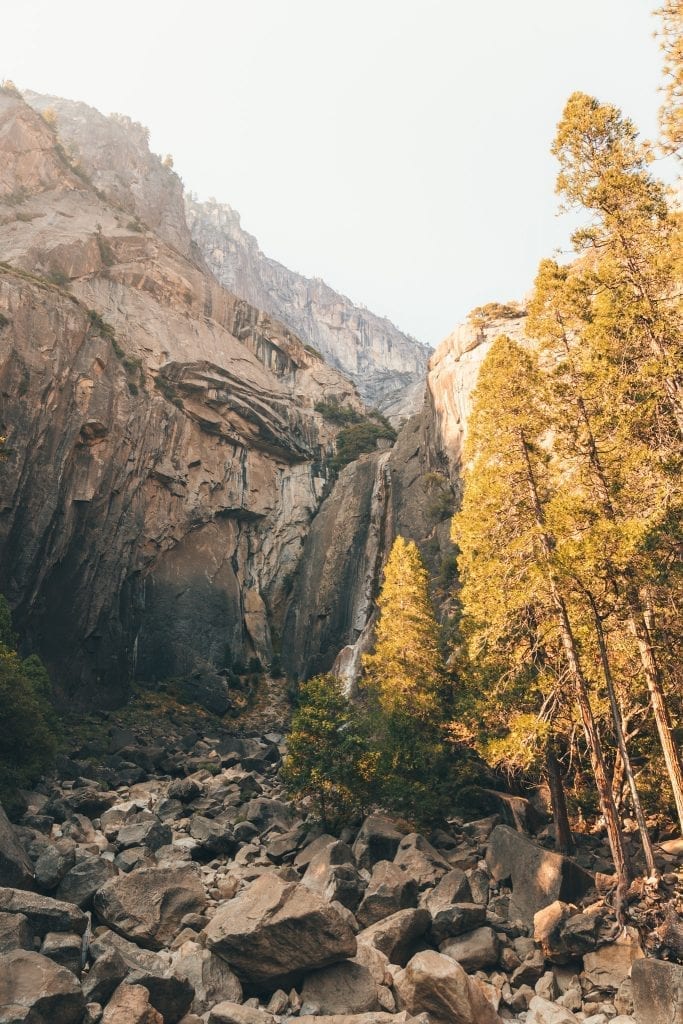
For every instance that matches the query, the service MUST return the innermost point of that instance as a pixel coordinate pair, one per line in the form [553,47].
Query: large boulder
[347,987]
[657,992]
[332,874]
[277,929]
[457,919]
[475,951]
[53,863]
[104,977]
[171,996]
[390,889]
[147,906]
[43,913]
[211,977]
[453,887]
[33,988]
[434,984]
[610,964]
[542,1011]
[15,933]
[538,876]
[420,860]
[378,839]
[80,884]
[397,936]
[130,1005]
[16,870]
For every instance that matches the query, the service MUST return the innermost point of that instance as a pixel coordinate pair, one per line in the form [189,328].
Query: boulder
[185,790]
[212,979]
[53,863]
[147,906]
[228,1012]
[477,950]
[214,837]
[453,887]
[431,983]
[538,876]
[266,813]
[16,870]
[332,874]
[347,987]
[543,1012]
[43,913]
[397,936]
[457,919]
[64,949]
[657,991]
[15,933]
[277,929]
[144,830]
[130,1005]
[133,955]
[390,889]
[33,988]
[80,884]
[171,996]
[378,839]
[104,977]
[89,801]
[420,860]
[610,964]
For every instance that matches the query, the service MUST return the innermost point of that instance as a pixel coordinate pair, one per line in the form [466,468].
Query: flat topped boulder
[538,876]
[277,929]
[42,912]
[34,988]
[147,906]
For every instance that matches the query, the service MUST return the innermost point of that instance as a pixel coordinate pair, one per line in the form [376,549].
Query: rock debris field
[180,885]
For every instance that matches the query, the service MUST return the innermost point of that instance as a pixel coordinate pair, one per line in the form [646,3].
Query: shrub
[357,439]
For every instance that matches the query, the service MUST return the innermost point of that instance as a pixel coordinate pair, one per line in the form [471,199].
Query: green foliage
[483,315]
[357,439]
[168,390]
[335,412]
[28,738]
[327,760]
[100,325]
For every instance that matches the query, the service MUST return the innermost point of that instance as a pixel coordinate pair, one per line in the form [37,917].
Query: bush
[28,738]
[359,438]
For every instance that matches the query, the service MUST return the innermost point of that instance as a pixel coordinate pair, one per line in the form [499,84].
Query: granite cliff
[387,366]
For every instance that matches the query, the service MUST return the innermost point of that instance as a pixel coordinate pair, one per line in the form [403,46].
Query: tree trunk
[621,743]
[576,675]
[564,841]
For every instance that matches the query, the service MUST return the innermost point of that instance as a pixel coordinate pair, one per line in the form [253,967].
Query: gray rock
[378,839]
[475,951]
[53,863]
[144,830]
[433,984]
[228,1012]
[420,860]
[397,936]
[44,913]
[457,919]
[657,991]
[453,887]
[276,929]
[16,870]
[104,977]
[607,967]
[170,995]
[390,889]
[15,933]
[214,837]
[148,905]
[184,790]
[538,876]
[64,949]
[80,884]
[347,987]
[33,988]
[543,1012]
[333,876]
[211,977]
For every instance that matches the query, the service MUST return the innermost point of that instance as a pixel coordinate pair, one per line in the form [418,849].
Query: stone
[266,813]
[276,929]
[211,977]
[332,874]
[420,860]
[104,977]
[475,951]
[133,955]
[228,1012]
[431,983]
[65,950]
[53,863]
[389,890]
[147,906]
[543,1012]
[185,790]
[530,970]
[396,936]
[346,987]
[214,837]
[33,988]
[170,995]
[457,919]
[89,801]
[278,1002]
[16,870]
[607,967]
[44,914]
[453,887]
[657,991]
[538,876]
[144,830]
[130,1005]
[378,839]
[623,1000]
[15,933]
[80,884]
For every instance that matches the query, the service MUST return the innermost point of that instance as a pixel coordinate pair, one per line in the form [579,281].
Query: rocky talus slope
[387,366]
[169,880]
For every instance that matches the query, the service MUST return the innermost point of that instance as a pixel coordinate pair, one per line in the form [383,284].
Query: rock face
[387,366]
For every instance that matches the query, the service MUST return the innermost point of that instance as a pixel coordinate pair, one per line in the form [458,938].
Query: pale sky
[397,148]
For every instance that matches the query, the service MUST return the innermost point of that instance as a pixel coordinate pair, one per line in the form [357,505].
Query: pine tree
[671,42]
[405,679]
[508,563]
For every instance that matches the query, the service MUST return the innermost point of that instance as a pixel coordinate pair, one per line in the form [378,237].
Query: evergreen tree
[671,42]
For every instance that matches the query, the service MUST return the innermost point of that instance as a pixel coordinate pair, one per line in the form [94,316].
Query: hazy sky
[397,148]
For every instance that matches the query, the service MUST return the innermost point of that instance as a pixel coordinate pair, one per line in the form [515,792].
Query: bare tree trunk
[618,777]
[609,811]
[564,841]
[621,743]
